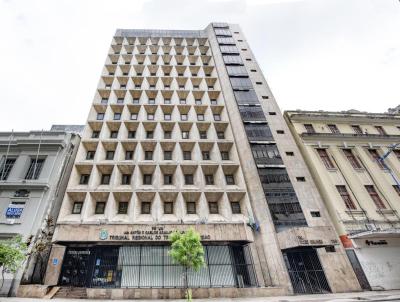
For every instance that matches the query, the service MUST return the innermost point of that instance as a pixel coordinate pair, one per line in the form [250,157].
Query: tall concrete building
[343,150]
[184,132]
[34,171]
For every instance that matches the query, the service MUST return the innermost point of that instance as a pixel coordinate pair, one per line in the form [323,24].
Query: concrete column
[54,265]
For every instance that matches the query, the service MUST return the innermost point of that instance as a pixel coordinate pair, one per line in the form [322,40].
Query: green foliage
[12,254]
[186,249]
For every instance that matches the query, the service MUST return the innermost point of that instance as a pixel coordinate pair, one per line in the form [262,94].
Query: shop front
[127,257]
[150,266]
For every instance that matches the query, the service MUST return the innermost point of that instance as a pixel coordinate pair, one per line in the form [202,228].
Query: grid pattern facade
[158,143]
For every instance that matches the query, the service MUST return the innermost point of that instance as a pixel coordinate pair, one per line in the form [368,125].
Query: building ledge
[26,184]
[307,135]
[390,233]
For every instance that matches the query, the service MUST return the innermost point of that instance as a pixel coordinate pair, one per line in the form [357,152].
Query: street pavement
[343,297]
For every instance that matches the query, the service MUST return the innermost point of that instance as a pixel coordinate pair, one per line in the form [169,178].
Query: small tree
[12,255]
[187,250]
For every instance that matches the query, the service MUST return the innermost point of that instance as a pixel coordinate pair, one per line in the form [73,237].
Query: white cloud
[331,54]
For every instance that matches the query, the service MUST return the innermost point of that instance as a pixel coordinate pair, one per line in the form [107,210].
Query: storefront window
[142,266]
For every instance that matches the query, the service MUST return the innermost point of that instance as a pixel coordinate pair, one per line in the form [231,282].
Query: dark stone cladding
[278,189]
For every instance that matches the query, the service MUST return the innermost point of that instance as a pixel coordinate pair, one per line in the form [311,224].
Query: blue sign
[14,212]
[55,261]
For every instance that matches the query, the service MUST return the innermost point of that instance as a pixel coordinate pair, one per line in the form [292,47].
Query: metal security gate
[76,267]
[306,272]
[362,279]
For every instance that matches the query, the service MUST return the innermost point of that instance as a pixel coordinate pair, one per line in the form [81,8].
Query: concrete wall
[381,264]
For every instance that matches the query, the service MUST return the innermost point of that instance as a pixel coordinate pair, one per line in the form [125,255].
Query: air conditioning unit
[370,227]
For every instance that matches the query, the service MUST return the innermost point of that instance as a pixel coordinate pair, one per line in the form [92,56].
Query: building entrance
[306,272]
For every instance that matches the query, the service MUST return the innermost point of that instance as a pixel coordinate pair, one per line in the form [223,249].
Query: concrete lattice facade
[164,148]
[361,194]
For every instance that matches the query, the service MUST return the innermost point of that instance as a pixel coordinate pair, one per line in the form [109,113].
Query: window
[357,129]
[134,116]
[147,179]
[309,128]
[213,102]
[110,155]
[325,158]
[200,117]
[236,71]
[149,134]
[221,135]
[167,117]
[126,179]
[120,100]
[346,197]
[224,155]
[289,153]
[185,134]
[122,207]
[232,59]
[213,207]
[333,128]
[105,179]
[168,179]
[209,179]
[315,213]
[198,102]
[397,189]
[230,180]
[95,134]
[100,207]
[189,179]
[152,101]
[235,207]
[148,155]
[77,207]
[131,134]
[128,155]
[280,131]
[167,134]
[117,116]
[375,197]
[301,179]
[167,155]
[167,101]
[145,208]
[135,101]
[35,168]
[104,101]
[187,155]
[376,157]
[6,167]
[206,155]
[84,180]
[352,159]
[184,117]
[203,134]
[380,130]
[100,116]
[113,134]
[190,207]
[168,207]
[150,117]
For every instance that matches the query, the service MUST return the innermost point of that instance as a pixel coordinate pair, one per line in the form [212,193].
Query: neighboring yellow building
[362,195]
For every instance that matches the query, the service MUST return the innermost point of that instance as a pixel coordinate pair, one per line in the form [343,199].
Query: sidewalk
[344,297]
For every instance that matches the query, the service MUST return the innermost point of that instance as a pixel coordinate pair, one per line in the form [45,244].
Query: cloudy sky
[316,54]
